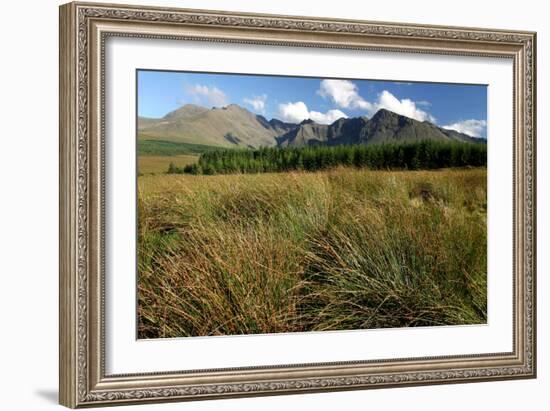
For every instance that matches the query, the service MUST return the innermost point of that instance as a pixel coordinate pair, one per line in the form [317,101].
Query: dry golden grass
[159,164]
[341,249]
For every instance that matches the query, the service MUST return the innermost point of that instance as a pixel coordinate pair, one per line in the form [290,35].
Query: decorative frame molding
[83,30]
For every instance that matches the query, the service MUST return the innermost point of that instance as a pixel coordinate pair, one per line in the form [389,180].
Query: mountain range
[235,126]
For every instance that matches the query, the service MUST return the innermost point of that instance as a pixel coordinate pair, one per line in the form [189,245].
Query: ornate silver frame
[83,30]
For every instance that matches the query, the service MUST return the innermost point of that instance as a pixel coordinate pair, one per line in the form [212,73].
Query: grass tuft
[332,250]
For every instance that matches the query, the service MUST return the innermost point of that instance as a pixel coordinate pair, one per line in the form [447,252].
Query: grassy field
[331,250]
[155,156]
[170,148]
[159,164]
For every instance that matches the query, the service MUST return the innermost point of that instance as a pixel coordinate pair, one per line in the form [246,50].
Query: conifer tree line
[405,156]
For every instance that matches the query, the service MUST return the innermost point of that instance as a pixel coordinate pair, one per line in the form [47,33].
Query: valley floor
[332,250]
[159,164]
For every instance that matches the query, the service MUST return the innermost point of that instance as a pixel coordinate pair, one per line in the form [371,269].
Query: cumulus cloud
[257,102]
[345,94]
[423,103]
[471,127]
[298,111]
[405,107]
[327,118]
[212,95]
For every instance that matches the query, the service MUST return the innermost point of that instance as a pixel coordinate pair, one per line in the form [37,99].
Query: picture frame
[84,30]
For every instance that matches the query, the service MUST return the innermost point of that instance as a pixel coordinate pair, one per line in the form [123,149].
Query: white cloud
[210,95]
[423,103]
[344,93]
[257,102]
[405,107]
[327,118]
[293,112]
[298,111]
[471,127]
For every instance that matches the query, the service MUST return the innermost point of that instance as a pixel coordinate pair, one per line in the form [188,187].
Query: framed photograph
[259,204]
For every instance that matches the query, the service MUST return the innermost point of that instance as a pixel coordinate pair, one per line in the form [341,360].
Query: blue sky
[457,106]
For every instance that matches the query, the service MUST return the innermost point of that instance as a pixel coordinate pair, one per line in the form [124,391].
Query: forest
[422,155]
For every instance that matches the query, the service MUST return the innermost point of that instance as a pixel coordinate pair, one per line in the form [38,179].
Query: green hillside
[170,148]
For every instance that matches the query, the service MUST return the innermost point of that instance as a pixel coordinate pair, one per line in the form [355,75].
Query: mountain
[228,126]
[234,126]
[387,126]
[307,132]
[281,127]
[384,127]
[342,131]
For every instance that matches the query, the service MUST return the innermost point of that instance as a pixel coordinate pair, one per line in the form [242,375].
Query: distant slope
[144,122]
[231,126]
[171,148]
[235,127]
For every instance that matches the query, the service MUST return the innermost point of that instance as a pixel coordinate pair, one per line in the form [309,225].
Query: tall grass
[333,250]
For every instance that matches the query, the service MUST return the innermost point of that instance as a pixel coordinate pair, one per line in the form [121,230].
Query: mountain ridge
[235,126]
